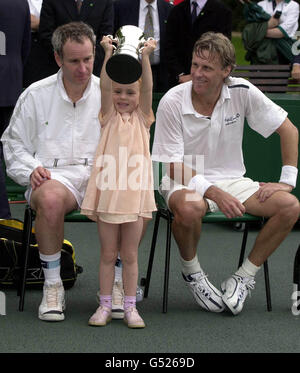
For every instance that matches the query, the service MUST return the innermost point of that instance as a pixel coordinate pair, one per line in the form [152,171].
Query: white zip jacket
[48,130]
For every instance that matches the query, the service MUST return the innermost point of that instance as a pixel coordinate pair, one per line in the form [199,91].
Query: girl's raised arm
[105,81]
[147,81]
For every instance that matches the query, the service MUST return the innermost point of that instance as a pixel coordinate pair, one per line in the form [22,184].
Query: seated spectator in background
[296,68]
[134,12]
[96,13]
[49,147]
[205,118]
[37,62]
[268,37]
[186,23]
[14,50]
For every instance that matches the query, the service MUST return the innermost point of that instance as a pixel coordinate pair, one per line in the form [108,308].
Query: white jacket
[47,129]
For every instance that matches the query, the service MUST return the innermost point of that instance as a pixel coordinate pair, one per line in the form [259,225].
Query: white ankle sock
[247,269]
[190,266]
[51,267]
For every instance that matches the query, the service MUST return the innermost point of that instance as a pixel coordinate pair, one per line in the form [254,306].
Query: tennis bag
[11,231]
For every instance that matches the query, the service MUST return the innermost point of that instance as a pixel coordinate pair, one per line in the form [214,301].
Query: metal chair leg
[266,268]
[24,256]
[296,281]
[167,262]
[152,251]
[244,243]
[267,285]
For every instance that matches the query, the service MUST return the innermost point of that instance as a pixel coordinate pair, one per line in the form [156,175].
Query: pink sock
[129,301]
[105,300]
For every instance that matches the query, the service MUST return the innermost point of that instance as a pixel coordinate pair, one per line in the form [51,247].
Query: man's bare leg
[188,209]
[283,210]
[51,201]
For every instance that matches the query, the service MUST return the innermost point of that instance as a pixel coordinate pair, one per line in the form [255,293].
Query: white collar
[144,4]
[63,92]
[187,104]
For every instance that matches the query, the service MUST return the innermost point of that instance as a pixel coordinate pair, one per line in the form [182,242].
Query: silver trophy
[124,65]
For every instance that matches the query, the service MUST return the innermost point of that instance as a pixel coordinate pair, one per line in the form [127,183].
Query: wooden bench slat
[268,78]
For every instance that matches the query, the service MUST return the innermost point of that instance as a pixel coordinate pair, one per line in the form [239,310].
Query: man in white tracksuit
[49,146]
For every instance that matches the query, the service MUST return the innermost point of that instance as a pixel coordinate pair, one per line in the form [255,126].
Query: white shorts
[241,188]
[74,177]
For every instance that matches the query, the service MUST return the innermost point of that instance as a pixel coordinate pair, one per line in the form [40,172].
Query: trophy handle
[114,40]
[143,44]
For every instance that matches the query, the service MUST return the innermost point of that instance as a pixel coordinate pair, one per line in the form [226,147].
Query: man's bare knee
[53,198]
[188,214]
[289,209]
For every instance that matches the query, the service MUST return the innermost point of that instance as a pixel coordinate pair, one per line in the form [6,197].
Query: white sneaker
[205,294]
[117,300]
[53,303]
[235,290]
[117,306]
[139,294]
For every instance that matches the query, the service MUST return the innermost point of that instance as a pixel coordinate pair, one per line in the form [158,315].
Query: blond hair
[216,44]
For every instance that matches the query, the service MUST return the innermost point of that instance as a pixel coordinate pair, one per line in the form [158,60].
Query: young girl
[120,191]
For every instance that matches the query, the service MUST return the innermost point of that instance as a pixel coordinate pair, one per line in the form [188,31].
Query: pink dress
[121,183]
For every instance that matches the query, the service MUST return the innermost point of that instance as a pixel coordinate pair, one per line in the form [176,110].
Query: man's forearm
[179,172]
[274,33]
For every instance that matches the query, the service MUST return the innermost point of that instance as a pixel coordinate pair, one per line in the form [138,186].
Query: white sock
[190,266]
[118,270]
[247,269]
[51,268]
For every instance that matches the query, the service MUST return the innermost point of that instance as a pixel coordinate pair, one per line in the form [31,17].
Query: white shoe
[117,300]
[53,303]
[117,306]
[235,291]
[205,294]
[139,294]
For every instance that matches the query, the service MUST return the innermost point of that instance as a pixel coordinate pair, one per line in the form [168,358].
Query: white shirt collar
[187,105]
[63,92]
[144,4]
[200,3]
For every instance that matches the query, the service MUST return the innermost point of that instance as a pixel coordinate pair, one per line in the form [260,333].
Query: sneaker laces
[247,284]
[52,296]
[117,294]
[199,286]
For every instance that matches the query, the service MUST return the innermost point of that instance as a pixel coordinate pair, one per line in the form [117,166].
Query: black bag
[11,231]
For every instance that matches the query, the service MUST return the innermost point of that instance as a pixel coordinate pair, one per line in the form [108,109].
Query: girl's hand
[149,47]
[107,44]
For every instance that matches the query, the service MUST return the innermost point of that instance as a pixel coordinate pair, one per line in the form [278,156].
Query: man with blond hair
[205,117]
